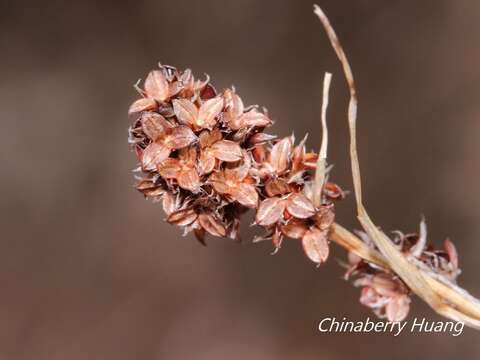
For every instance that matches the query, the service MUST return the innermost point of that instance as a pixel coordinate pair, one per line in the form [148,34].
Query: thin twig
[320,172]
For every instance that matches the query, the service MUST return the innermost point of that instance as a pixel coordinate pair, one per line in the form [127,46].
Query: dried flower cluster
[206,156]
[383,291]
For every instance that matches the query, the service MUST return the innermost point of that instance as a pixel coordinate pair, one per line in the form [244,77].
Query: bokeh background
[89,270]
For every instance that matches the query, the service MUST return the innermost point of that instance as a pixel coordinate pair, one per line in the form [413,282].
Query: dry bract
[156,86]
[204,117]
[142,105]
[315,244]
[270,211]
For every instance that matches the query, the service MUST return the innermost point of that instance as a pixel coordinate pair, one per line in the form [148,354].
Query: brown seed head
[205,154]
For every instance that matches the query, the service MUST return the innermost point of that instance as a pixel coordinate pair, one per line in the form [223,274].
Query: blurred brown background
[88,269]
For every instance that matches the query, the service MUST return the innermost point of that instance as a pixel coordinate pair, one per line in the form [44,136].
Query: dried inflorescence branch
[384,291]
[205,155]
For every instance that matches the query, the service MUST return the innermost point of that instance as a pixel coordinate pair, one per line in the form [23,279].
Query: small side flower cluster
[205,155]
[383,291]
